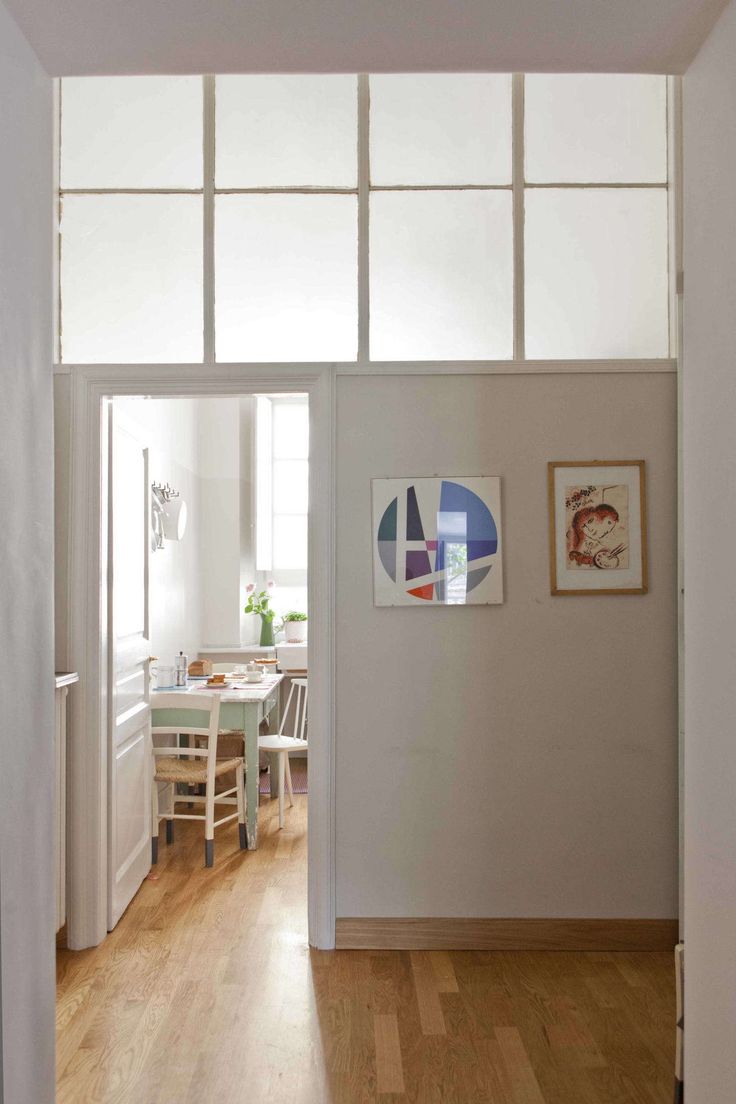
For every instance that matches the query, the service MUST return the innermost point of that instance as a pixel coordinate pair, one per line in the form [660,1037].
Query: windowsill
[237,648]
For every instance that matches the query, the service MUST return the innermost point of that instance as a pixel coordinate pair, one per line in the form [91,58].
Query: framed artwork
[597,527]
[437,541]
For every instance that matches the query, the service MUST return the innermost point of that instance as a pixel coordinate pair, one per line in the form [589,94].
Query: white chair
[192,765]
[282,744]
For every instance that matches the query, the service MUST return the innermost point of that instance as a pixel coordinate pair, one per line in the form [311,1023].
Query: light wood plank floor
[207,993]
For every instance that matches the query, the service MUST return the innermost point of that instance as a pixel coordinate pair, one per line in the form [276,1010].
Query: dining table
[243,706]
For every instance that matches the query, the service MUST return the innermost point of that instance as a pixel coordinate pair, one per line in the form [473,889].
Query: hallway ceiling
[220,36]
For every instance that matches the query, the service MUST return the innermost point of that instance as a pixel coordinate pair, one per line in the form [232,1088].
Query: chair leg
[288,779]
[154,819]
[169,821]
[240,784]
[209,825]
[282,756]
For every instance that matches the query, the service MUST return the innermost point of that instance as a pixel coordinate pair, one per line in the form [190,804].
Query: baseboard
[415,933]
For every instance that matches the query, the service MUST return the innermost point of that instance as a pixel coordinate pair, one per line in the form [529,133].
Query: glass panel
[596,273]
[286,277]
[441,129]
[290,541]
[276,131]
[290,431]
[595,128]
[441,275]
[131,132]
[287,598]
[264,484]
[131,279]
[290,486]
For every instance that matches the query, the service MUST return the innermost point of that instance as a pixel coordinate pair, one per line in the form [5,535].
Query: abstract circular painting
[437,541]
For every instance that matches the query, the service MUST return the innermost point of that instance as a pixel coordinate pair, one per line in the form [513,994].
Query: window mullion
[208,217]
[517,186]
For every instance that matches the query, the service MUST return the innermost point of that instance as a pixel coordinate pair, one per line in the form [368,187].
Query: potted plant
[260,603]
[295,627]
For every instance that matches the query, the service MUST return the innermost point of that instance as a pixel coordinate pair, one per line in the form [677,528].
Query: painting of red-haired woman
[597,535]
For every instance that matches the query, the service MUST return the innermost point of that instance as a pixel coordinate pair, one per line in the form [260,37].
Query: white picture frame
[437,541]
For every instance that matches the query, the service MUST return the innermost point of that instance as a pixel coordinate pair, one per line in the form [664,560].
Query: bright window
[286,275]
[341,219]
[282,497]
[131,132]
[285,131]
[131,277]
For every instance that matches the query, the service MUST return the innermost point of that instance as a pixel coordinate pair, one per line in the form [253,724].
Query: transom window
[344,219]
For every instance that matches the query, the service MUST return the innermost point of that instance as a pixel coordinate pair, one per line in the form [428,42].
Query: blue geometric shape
[414,530]
[480,526]
[479,548]
[387,527]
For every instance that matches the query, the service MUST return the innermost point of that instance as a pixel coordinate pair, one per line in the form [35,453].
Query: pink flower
[250,587]
[271,584]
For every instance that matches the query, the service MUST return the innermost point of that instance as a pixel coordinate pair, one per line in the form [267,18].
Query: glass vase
[266,640]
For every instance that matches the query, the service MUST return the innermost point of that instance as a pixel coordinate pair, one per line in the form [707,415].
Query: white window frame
[518,186]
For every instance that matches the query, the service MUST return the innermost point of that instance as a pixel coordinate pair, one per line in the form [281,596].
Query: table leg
[251,720]
[273,773]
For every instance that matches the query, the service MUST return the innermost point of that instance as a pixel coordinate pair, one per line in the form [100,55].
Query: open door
[129,750]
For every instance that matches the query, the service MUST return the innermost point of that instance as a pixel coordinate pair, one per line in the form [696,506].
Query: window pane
[441,129]
[595,128]
[131,132]
[286,277]
[290,486]
[264,484]
[275,131]
[287,598]
[131,278]
[289,541]
[290,431]
[441,275]
[596,273]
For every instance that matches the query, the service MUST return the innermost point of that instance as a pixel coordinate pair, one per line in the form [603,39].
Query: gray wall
[710,580]
[514,760]
[26,602]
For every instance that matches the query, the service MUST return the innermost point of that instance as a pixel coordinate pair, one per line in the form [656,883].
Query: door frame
[87,590]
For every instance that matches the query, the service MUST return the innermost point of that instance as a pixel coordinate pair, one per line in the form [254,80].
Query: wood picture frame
[597,527]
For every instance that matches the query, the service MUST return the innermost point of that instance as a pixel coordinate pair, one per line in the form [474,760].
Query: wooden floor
[207,993]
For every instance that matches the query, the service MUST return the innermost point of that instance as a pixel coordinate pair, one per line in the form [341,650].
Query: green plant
[293,615]
[259,603]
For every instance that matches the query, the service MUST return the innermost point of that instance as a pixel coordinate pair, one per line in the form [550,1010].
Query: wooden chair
[192,765]
[282,744]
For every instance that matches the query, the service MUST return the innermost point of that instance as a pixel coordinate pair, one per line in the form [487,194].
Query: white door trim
[87,588]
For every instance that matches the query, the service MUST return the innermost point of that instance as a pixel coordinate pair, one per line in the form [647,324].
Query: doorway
[91,392]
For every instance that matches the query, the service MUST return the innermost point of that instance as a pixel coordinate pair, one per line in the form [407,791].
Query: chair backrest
[298,695]
[192,702]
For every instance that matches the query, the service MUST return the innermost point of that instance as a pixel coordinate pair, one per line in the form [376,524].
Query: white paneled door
[129,752]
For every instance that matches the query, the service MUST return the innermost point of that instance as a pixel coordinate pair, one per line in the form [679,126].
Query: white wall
[514,760]
[171,429]
[219,468]
[710,581]
[26,596]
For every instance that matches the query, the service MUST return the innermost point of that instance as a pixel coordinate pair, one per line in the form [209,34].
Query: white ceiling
[219,36]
